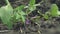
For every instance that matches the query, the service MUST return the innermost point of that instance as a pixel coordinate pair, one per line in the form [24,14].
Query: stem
[7,2]
[34,5]
[2,31]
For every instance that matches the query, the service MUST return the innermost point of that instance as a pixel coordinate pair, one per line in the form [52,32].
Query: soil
[42,26]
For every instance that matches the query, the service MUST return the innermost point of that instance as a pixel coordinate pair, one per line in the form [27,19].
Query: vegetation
[9,15]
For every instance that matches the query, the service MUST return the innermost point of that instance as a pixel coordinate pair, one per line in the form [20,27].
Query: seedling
[54,10]
[6,14]
[20,15]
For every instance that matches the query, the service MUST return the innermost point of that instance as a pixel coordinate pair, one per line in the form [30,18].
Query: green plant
[6,13]
[54,10]
[20,14]
[31,7]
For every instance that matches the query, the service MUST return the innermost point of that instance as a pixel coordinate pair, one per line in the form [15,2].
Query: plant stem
[7,2]
[34,5]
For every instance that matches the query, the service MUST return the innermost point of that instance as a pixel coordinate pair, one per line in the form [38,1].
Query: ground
[43,26]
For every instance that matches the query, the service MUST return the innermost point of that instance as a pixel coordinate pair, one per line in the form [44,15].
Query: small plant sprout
[54,10]
[31,5]
[20,14]
[6,13]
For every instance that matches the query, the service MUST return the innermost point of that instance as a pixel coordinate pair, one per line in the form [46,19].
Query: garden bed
[40,26]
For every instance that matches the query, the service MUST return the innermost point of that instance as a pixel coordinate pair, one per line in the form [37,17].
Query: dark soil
[42,26]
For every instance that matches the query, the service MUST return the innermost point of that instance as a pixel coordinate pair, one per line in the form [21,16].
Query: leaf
[46,16]
[23,16]
[20,7]
[54,10]
[17,16]
[32,2]
[20,13]
[5,13]
[31,5]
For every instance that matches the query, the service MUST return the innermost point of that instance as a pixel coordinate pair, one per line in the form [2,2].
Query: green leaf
[54,10]
[31,5]
[20,7]
[6,13]
[32,2]
[46,16]
[17,16]
[20,13]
